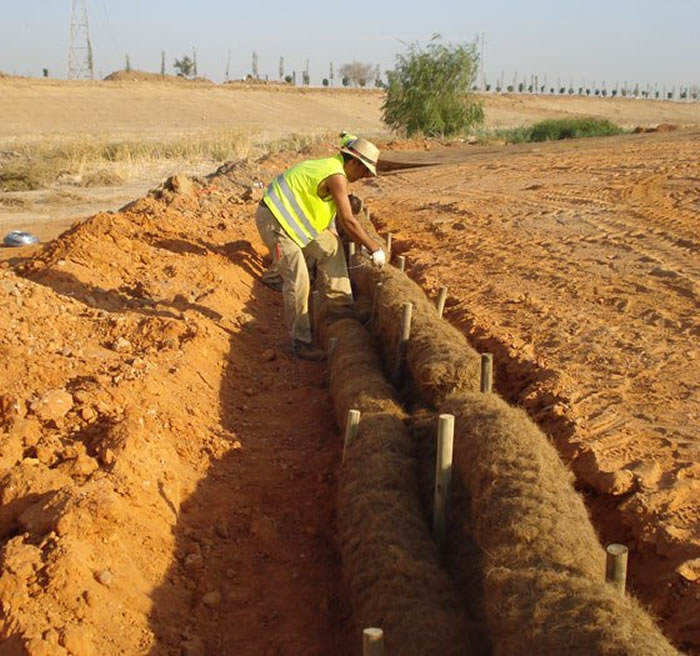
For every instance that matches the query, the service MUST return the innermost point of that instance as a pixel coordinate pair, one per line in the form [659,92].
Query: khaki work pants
[289,262]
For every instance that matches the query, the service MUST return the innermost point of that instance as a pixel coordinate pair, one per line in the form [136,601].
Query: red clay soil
[576,265]
[167,470]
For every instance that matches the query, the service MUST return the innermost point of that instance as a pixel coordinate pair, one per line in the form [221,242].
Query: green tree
[429,90]
[184,66]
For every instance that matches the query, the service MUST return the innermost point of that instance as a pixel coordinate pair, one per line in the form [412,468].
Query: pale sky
[639,41]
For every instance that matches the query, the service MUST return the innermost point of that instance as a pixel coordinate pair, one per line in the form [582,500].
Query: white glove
[379,258]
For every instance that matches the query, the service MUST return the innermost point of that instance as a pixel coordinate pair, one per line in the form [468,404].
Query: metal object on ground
[19,238]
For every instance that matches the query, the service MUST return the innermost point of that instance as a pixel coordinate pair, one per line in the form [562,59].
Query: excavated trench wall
[542,566]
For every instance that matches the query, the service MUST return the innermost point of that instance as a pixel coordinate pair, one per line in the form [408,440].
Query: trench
[255,568]
[534,534]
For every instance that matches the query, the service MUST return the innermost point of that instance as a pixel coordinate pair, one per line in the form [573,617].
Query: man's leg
[271,276]
[291,267]
[327,251]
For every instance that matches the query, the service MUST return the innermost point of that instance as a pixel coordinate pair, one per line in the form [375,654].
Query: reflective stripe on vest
[294,201]
[305,234]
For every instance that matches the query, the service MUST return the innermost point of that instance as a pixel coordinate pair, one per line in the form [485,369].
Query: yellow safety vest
[294,201]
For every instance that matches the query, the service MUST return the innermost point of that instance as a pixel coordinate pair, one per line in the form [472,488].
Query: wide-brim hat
[363,150]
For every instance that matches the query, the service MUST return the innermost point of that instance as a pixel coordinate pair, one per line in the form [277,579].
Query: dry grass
[93,162]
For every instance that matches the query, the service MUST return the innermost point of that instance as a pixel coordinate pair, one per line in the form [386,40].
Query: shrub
[568,128]
[185,66]
[429,90]
[573,128]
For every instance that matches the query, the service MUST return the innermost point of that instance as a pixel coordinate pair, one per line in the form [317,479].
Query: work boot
[307,351]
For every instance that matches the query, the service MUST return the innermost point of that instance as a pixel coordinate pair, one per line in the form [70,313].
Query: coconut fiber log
[438,358]
[389,559]
[544,588]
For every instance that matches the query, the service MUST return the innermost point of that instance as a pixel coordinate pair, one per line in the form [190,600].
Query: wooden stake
[442,297]
[388,246]
[401,262]
[486,372]
[315,311]
[403,341]
[443,477]
[375,301]
[372,642]
[616,566]
[352,424]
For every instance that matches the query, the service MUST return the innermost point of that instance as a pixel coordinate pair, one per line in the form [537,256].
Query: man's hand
[379,258]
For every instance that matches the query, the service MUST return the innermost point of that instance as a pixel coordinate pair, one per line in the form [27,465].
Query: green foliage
[185,66]
[429,90]
[573,128]
[554,129]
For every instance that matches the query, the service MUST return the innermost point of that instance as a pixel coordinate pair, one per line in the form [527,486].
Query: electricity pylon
[80,65]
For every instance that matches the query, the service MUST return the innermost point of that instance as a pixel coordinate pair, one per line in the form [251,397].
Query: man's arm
[337,186]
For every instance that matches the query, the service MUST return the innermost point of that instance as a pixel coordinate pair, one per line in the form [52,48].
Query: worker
[271,276]
[293,219]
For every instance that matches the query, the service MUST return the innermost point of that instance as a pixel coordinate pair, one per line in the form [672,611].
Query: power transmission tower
[80,64]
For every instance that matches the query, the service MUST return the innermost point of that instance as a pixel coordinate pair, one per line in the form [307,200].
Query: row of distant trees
[360,74]
[356,73]
[682,93]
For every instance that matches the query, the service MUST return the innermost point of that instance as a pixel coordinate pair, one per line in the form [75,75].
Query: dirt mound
[252,81]
[143,76]
[136,515]
[661,127]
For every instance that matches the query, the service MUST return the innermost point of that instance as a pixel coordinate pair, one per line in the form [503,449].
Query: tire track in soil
[585,290]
